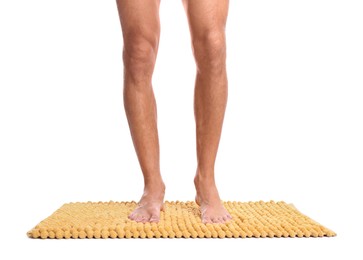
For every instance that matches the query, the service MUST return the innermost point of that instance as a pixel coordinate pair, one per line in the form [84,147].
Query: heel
[196,200]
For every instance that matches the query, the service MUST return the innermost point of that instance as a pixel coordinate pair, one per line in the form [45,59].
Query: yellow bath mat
[179,219]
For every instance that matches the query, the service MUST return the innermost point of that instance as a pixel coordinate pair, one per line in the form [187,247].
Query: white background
[292,130]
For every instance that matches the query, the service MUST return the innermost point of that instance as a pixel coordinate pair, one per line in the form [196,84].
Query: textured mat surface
[179,219]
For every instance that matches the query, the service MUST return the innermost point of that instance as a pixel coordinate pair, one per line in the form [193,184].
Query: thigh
[205,16]
[139,20]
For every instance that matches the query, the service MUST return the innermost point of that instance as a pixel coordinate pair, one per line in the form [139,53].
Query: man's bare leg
[207,20]
[141,32]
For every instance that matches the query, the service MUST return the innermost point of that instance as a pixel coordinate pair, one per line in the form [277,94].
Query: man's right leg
[141,32]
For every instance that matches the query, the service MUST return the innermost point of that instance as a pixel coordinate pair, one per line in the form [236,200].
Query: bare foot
[151,202]
[211,207]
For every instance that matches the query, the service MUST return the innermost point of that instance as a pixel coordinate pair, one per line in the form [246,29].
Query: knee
[139,55]
[210,50]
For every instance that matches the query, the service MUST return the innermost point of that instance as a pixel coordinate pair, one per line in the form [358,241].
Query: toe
[220,219]
[206,220]
[225,218]
[138,218]
[154,218]
[143,219]
[214,220]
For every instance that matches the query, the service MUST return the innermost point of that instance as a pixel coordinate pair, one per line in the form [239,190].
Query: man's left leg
[207,20]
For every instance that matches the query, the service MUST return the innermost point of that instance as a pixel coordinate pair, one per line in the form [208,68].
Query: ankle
[152,187]
[203,178]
